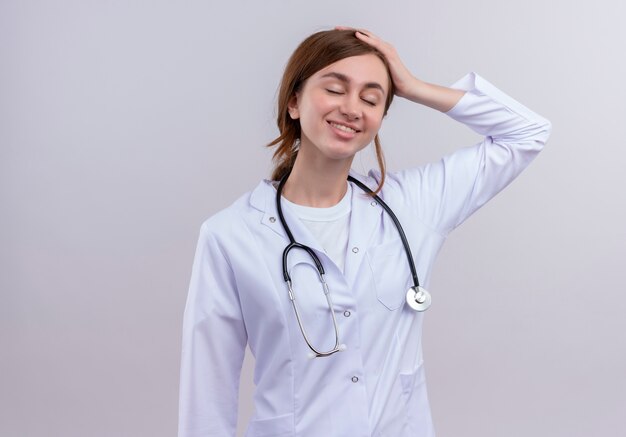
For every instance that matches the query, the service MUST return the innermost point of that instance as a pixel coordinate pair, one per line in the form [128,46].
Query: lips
[344,127]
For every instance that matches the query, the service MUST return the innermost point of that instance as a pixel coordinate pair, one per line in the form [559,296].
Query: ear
[292,107]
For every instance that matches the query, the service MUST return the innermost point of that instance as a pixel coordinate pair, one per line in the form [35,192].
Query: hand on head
[402,78]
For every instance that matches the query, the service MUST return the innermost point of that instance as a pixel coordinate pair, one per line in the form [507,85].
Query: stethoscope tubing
[405,242]
[417,298]
[318,264]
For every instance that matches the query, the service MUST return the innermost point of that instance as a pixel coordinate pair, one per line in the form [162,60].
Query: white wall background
[125,124]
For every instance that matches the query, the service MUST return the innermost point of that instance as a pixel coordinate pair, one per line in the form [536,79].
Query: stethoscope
[417,297]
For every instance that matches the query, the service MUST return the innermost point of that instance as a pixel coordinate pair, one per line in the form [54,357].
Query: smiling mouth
[343,128]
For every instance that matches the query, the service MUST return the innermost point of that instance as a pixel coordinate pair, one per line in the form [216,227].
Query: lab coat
[376,386]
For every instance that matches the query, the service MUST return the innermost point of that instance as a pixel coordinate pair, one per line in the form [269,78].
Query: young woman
[326,282]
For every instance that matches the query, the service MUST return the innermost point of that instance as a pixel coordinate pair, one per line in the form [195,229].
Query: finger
[367,33]
[361,31]
[369,38]
[364,35]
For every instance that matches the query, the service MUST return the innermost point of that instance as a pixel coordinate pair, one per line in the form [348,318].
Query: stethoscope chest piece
[418,298]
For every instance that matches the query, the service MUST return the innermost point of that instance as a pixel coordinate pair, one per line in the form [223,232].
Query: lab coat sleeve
[447,192]
[213,345]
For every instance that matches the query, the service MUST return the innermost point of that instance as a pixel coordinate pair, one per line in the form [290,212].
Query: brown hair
[314,53]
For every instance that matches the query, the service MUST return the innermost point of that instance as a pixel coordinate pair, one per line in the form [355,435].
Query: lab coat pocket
[391,273]
[418,409]
[279,426]
[411,380]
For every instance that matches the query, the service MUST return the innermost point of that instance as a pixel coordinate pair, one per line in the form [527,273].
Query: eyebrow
[345,79]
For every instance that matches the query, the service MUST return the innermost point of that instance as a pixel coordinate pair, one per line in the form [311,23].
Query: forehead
[360,70]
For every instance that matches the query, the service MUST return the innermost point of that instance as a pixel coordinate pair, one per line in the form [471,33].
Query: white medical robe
[237,295]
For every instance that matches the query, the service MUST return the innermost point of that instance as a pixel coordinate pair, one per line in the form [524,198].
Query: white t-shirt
[329,226]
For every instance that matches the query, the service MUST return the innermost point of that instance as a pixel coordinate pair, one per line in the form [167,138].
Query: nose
[350,107]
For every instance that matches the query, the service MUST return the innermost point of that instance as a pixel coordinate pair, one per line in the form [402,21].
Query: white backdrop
[123,125]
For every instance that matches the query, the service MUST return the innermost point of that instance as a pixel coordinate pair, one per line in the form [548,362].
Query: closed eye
[369,102]
[333,91]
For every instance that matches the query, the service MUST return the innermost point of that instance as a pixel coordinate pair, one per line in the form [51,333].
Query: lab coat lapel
[364,218]
[264,199]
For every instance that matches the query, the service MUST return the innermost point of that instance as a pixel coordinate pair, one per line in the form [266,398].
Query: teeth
[343,128]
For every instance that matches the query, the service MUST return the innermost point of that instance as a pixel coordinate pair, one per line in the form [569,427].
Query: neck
[319,183]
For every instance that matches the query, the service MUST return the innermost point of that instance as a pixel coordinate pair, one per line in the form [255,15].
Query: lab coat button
[272,219]
[355,379]
[355,249]
[374,203]
[346,313]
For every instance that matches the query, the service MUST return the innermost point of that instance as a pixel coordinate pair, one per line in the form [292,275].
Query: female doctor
[311,270]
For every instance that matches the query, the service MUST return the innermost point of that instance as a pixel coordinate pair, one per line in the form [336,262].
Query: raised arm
[408,86]
[447,192]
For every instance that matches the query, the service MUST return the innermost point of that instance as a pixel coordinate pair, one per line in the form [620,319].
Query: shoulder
[233,222]
[398,183]
[393,180]
[226,220]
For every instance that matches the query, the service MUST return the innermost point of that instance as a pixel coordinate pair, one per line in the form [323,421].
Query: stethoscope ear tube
[317,353]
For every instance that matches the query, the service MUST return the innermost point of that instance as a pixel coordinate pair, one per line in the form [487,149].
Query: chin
[340,154]
[343,151]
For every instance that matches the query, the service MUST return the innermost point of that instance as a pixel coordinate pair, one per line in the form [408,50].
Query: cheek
[315,107]
[322,104]
[376,121]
